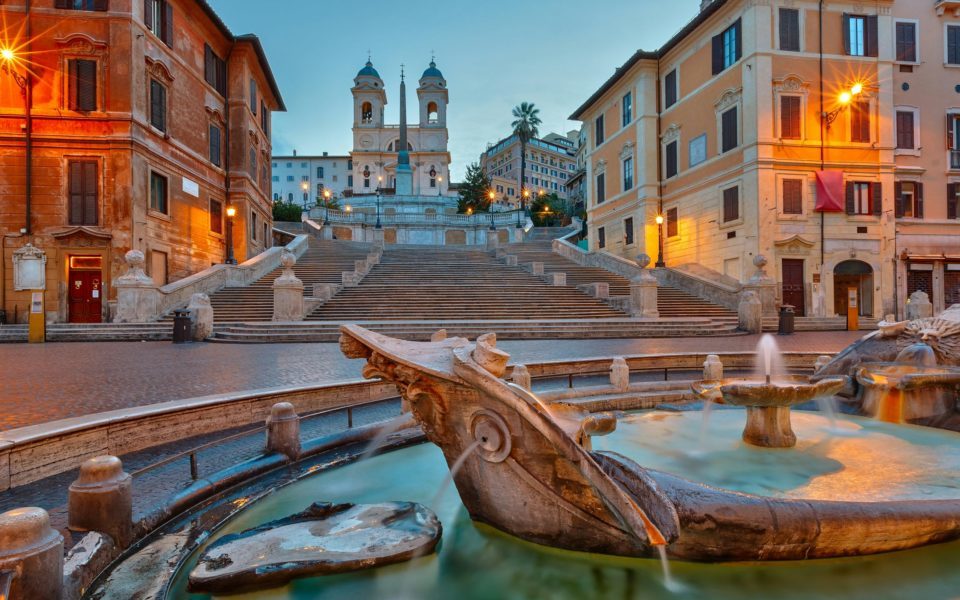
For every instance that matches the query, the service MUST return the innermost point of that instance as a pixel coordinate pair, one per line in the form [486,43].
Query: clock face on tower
[366,141]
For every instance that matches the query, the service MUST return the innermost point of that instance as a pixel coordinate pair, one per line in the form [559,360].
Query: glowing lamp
[348,208]
[845,97]
[856,89]
[6,54]
[659,219]
[231,212]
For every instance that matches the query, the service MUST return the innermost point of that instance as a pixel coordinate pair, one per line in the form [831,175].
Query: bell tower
[369,98]
[433,98]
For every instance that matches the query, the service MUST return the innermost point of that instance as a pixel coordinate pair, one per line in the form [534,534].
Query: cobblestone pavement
[45,382]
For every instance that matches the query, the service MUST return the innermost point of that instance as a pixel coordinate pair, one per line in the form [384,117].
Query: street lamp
[379,181]
[231,213]
[326,207]
[305,187]
[524,195]
[490,196]
[8,62]
[845,97]
[660,264]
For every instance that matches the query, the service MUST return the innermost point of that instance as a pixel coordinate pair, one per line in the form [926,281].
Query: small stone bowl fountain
[768,404]
[912,388]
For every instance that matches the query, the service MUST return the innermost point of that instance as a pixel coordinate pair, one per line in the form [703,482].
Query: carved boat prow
[534,476]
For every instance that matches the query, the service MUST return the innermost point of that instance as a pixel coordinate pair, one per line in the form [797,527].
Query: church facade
[376,144]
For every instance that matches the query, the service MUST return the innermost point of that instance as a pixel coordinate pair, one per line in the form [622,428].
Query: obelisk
[404,173]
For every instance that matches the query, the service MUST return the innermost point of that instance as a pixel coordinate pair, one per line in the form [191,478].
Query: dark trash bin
[182,327]
[787,320]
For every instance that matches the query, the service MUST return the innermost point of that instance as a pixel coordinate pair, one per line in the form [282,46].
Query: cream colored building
[550,162]
[733,135]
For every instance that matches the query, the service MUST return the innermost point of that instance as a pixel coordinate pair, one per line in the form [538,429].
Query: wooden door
[85,297]
[792,287]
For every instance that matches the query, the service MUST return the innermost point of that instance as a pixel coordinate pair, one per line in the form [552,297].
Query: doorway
[853,274]
[85,281]
[792,288]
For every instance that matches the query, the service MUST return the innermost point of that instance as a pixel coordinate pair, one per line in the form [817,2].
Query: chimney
[325,153]
[294,151]
[704,4]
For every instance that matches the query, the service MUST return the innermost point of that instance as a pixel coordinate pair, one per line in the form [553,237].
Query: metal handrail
[192,452]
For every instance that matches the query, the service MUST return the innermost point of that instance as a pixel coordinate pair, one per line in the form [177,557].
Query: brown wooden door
[792,286]
[85,297]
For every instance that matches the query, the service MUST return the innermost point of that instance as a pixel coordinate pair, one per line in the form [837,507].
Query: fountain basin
[903,393]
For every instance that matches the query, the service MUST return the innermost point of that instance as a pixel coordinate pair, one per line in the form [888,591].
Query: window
[289,165]
[290,197]
[790,117]
[727,48]
[628,231]
[953,199]
[253,163]
[304,178]
[276,178]
[82,190]
[319,172]
[863,198]
[731,204]
[789,29]
[909,199]
[905,128]
[289,177]
[601,188]
[158,105]
[860,35]
[366,182]
[626,105]
[366,113]
[728,130]
[627,173]
[433,182]
[598,131]
[860,121]
[602,237]
[87,5]
[158,17]
[158,193]
[953,45]
[215,152]
[350,181]
[906,41]
[214,70]
[953,140]
[253,96]
[303,165]
[670,159]
[792,196]
[82,84]
[670,89]
[253,225]
[264,118]
[672,229]
[697,150]
[216,216]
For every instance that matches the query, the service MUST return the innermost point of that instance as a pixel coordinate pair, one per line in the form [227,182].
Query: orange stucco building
[808,132]
[147,120]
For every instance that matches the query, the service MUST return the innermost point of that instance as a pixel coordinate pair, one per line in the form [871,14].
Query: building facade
[139,124]
[303,179]
[791,130]
[550,163]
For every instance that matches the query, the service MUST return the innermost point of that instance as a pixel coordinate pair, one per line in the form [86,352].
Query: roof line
[639,55]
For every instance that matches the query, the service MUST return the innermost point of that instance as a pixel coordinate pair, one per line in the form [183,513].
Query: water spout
[454,469]
[388,429]
[769,361]
[6,581]
[668,582]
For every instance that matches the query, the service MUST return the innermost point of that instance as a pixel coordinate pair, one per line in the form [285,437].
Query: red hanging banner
[829,191]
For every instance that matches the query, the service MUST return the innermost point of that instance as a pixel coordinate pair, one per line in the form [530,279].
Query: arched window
[393,146]
[366,113]
[433,113]
[290,197]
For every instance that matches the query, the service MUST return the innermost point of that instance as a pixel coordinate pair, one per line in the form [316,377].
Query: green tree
[526,127]
[549,210]
[474,191]
[286,211]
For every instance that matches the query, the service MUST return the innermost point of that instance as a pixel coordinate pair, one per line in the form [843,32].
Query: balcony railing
[370,218]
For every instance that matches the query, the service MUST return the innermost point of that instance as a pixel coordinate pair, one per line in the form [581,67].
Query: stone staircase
[671,302]
[440,283]
[540,234]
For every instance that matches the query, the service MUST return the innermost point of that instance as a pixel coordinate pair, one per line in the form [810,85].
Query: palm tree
[526,121]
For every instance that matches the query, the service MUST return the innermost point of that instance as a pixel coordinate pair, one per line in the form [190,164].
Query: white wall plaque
[191,187]
[29,269]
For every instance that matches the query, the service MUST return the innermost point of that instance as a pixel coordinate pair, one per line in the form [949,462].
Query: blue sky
[493,53]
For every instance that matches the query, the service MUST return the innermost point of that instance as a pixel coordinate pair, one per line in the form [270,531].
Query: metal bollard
[32,552]
[283,430]
[101,500]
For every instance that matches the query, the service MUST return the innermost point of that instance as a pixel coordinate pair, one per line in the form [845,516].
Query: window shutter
[75,174]
[86,85]
[72,82]
[898,208]
[846,34]
[876,195]
[951,201]
[738,31]
[168,24]
[61,4]
[849,198]
[148,13]
[209,70]
[919,192]
[89,193]
[950,139]
[100,5]
[717,54]
[871,35]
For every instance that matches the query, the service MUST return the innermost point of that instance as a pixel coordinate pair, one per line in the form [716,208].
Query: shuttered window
[905,126]
[792,196]
[601,188]
[790,117]
[628,231]
[953,44]
[601,238]
[253,96]
[727,48]
[158,17]
[860,121]
[626,109]
[670,94]
[863,198]
[214,70]
[860,35]
[215,145]
[158,105]
[906,40]
[952,190]
[87,5]
[627,173]
[731,204]
[158,193]
[728,126]
[672,230]
[790,29]
[908,199]
[216,216]
[82,84]
[598,131]
[83,186]
[671,159]
[264,118]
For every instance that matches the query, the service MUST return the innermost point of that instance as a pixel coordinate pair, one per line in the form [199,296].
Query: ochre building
[146,120]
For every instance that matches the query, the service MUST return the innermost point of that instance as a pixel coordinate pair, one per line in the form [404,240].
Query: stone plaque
[29,269]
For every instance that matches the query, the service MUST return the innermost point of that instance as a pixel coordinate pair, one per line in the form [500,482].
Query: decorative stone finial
[643,260]
[135,273]
[760,262]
